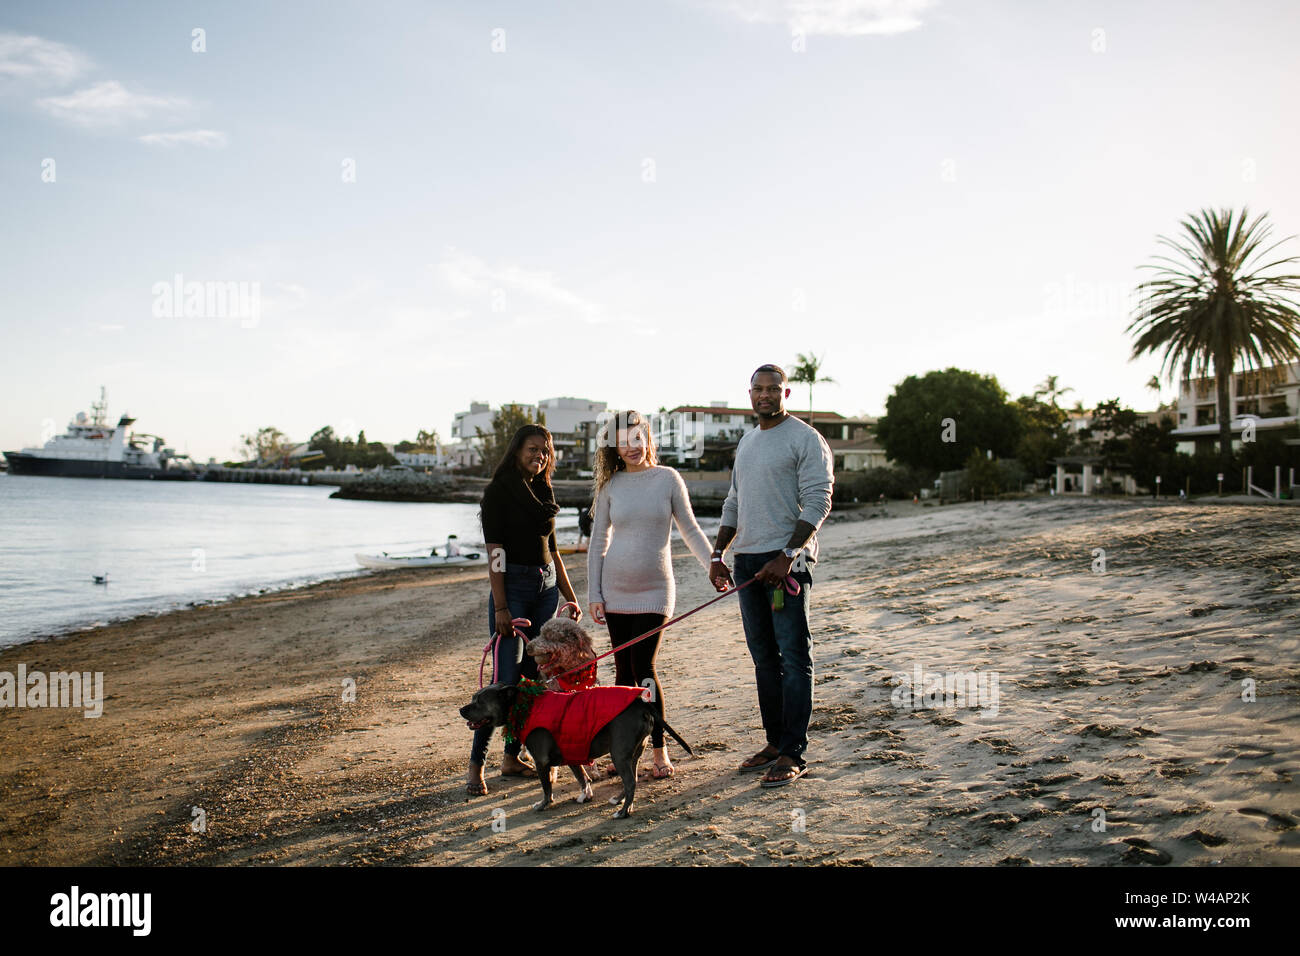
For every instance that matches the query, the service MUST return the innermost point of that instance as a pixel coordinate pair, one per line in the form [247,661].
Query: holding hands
[719,574]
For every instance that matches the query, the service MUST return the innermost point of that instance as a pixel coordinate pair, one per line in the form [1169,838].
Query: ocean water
[168,544]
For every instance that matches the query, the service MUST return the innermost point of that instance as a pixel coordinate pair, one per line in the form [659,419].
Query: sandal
[763,762]
[666,768]
[476,789]
[790,773]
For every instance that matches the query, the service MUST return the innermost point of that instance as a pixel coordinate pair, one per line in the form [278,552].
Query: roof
[854,444]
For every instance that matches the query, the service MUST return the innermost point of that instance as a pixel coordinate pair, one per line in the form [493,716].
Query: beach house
[1262,400]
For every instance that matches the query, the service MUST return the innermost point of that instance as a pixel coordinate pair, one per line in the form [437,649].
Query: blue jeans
[530,593]
[781,646]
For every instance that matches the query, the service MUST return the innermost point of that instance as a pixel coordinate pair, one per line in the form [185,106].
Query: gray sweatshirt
[781,475]
[629,564]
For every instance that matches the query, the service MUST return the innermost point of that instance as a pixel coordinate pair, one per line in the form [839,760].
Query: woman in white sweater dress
[629,561]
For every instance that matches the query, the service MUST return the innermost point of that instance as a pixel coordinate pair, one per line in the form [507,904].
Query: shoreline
[841,512]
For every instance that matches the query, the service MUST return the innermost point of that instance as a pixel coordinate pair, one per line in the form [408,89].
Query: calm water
[165,544]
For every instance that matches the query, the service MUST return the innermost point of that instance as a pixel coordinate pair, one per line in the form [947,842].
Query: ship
[91,448]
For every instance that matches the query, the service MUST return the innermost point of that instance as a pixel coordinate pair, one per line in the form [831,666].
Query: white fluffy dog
[562,645]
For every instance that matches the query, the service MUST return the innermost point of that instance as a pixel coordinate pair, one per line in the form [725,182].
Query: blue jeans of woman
[530,593]
[781,646]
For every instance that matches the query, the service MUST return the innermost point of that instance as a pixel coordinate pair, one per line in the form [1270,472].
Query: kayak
[386,560]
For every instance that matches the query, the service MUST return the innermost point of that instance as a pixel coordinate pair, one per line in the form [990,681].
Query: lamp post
[1157,487]
[1220,484]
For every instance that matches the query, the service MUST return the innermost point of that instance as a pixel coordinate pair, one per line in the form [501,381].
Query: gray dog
[623,738]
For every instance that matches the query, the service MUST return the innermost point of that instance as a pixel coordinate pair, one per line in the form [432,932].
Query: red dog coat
[575,718]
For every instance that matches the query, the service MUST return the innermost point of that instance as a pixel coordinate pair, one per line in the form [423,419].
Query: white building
[422,459]
[567,419]
[1267,398]
[465,425]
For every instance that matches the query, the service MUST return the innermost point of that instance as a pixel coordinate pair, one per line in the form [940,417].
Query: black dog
[623,738]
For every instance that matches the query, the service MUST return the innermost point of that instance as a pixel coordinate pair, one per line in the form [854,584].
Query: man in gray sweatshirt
[780,494]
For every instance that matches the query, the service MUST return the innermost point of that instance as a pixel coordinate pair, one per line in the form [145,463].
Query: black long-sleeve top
[506,523]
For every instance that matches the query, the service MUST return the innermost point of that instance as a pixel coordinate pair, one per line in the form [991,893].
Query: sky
[426,204]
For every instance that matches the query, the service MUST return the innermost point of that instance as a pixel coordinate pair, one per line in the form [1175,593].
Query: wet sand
[1119,734]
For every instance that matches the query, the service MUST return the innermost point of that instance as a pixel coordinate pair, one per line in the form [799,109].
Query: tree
[508,420]
[1215,302]
[268,445]
[1109,432]
[1042,435]
[983,475]
[805,372]
[1049,388]
[934,421]
[1122,437]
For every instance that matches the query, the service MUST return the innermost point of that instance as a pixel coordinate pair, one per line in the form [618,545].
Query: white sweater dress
[629,561]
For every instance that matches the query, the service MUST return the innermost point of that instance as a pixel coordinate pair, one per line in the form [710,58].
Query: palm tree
[805,372]
[1049,388]
[1212,304]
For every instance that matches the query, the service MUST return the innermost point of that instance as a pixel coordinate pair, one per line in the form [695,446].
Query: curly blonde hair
[608,460]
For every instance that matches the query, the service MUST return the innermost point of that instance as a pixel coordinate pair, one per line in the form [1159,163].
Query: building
[465,425]
[702,435]
[568,420]
[465,450]
[422,459]
[1263,400]
[852,440]
[712,432]
[572,422]
[1088,475]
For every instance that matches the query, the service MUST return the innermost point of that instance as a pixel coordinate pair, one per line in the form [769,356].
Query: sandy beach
[1147,713]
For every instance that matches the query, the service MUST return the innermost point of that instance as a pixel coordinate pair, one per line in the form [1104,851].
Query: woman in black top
[526,574]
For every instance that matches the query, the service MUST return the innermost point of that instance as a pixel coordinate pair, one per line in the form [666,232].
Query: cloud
[108,103]
[472,277]
[210,138]
[833,17]
[39,61]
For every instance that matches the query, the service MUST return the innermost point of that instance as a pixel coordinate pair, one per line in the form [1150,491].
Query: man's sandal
[793,772]
[476,789]
[666,768]
[764,762]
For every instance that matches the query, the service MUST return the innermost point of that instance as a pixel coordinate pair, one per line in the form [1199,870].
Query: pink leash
[494,645]
[656,630]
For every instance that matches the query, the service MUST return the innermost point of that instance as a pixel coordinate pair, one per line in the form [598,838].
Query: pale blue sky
[960,182]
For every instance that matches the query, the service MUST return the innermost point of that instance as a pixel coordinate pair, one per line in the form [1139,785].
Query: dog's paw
[622,814]
[615,799]
[542,804]
[585,794]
